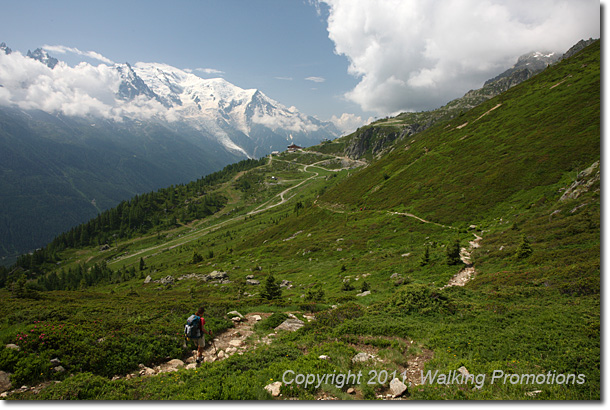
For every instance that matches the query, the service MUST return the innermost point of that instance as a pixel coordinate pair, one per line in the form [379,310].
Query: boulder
[55,361]
[148,279]
[250,277]
[191,366]
[5,381]
[286,284]
[291,325]
[236,342]
[362,357]
[168,280]
[274,388]
[104,247]
[464,371]
[13,346]
[256,318]
[171,366]
[368,292]
[59,369]
[324,357]
[351,390]
[218,275]
[235,313]
[253,282]
[397,387]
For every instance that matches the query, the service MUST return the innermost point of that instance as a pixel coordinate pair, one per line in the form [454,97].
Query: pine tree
[453,253]
[272,289]
[425,259]
[524,249]
[142,264]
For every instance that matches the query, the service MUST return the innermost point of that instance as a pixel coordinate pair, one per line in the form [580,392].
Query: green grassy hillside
[366,257]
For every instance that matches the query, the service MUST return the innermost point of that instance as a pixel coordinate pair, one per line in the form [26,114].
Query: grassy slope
[534,315]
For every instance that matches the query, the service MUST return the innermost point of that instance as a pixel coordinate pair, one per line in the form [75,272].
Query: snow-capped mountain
[242,120]
[245,121]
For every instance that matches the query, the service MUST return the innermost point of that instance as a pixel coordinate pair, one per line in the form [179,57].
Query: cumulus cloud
[316,79]
[209,71]
[348,123]
[74,50]
[415,55]
[83,90]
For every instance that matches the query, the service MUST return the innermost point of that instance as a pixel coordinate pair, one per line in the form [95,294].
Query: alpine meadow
[443,255]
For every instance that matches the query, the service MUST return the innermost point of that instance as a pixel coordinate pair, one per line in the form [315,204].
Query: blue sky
[328,58]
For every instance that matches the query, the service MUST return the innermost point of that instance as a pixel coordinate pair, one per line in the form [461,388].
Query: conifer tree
[453,253]
[524,249]
[272,289]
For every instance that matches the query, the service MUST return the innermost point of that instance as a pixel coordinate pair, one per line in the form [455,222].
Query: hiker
[195,330]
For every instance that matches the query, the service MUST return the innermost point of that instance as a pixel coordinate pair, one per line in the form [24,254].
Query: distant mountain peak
[5,48]
[41,55]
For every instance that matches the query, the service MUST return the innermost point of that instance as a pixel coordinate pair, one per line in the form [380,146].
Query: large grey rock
[291,325]
[274,388]
[253,282]
[148,279]
[216,275]
[397,387]
[168,280]
[171,366]
[5,381]
[13,346]
[368,292]
[362,357]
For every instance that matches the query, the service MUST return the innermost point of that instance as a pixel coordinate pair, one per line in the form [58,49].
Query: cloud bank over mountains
[413,55]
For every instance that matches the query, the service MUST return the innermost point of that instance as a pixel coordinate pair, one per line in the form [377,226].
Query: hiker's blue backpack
[192,329]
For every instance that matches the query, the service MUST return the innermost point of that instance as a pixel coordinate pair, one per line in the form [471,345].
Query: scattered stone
[286,284]
[395,276]
[368,292]
[274,388]
[221,354]
[351,390]
[236,342]
[147,371]
[235,313]
[362,357]
[324,357]
[252,282]
[215,275]
[464,371]
[406,255]
[168,280]
[397,387]
[104,247]
[12,346]
[171,366]
[309,318]
[148,279]
[191,366]
[5,381]
[55,361]
[59,369]
[250,277]
[291,316]
[236,319]
[291,325]
[256,318]
[533,393]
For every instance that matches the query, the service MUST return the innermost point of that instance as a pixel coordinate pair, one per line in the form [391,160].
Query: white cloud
[82,90]
[315,79]
[209,71]
[283,78]
[420,54]
[91,54]
[349,123]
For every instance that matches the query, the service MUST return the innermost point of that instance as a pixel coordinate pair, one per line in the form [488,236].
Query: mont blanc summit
[245,122]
